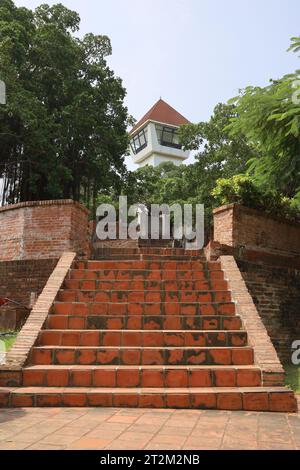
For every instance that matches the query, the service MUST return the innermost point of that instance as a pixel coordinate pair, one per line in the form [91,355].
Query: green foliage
[242,189]
[63,131]
[247,153]
[295,44]
[65,119]
[292,377]
[106,199]
[8,339]
[218,154]
[166,183]
[269,118]
[239,189]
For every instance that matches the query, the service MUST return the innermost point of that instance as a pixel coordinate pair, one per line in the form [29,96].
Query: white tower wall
[155,153]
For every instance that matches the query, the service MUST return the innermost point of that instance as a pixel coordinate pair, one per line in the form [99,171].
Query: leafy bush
[241,189]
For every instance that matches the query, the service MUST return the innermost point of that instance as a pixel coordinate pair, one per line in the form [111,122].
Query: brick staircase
[143,253]
[160,331]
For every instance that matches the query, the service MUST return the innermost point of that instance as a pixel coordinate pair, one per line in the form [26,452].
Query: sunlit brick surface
[144,333]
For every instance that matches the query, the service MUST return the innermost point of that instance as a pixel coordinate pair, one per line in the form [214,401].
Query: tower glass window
[139,141]
[168,136]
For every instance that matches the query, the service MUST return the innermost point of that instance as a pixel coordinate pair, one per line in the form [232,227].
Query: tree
[269,117]
[218,154]
[164,184]
[63,131]
[217,151]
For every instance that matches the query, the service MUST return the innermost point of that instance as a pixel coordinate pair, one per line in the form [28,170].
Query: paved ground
[111,428]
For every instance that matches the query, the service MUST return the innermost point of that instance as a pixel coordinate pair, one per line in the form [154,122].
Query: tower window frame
[167,136]
[139,141]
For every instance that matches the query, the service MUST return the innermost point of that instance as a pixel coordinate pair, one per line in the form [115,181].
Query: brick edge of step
[155,338]
[250,399]
[140,376]
[182,322]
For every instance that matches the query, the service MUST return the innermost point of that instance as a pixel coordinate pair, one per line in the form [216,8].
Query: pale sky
[192,53]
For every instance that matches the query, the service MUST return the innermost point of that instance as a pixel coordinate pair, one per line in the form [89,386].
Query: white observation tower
[154,139]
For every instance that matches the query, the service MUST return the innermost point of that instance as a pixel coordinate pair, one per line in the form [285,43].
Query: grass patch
[293,377]
[8,339]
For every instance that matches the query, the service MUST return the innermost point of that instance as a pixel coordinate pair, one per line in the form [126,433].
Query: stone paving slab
[133,429]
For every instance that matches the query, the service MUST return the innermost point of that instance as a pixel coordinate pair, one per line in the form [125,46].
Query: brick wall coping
[214,250]
[28,335]
[265,354]
[52,202]
[25,262]
[255,212]
[224,208]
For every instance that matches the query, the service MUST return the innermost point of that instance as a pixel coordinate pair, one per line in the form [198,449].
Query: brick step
[275,399]
[163,257]
[147,265]
[144,274]
[141,338]
[160,248]
[99,256]
[123,355]
[108,280]
[138,322]
[141,376]
[173,251]
[154,250]
[133,265]
[71,295]
[144,308]
[149,286]
[139,253]
[159,242]
[151,250]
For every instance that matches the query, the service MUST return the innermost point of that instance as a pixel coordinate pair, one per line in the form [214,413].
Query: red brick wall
[223,226]
[236,225]
[267,252]
[19,278]
[264,351]
[276,294]
[43,230]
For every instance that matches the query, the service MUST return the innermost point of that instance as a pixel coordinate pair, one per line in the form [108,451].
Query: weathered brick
[31,234]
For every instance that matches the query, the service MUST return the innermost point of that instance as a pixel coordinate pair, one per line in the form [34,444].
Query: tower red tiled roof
[162,112]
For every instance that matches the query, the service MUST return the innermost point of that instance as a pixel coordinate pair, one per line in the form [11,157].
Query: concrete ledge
[17,356]
[265,354]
